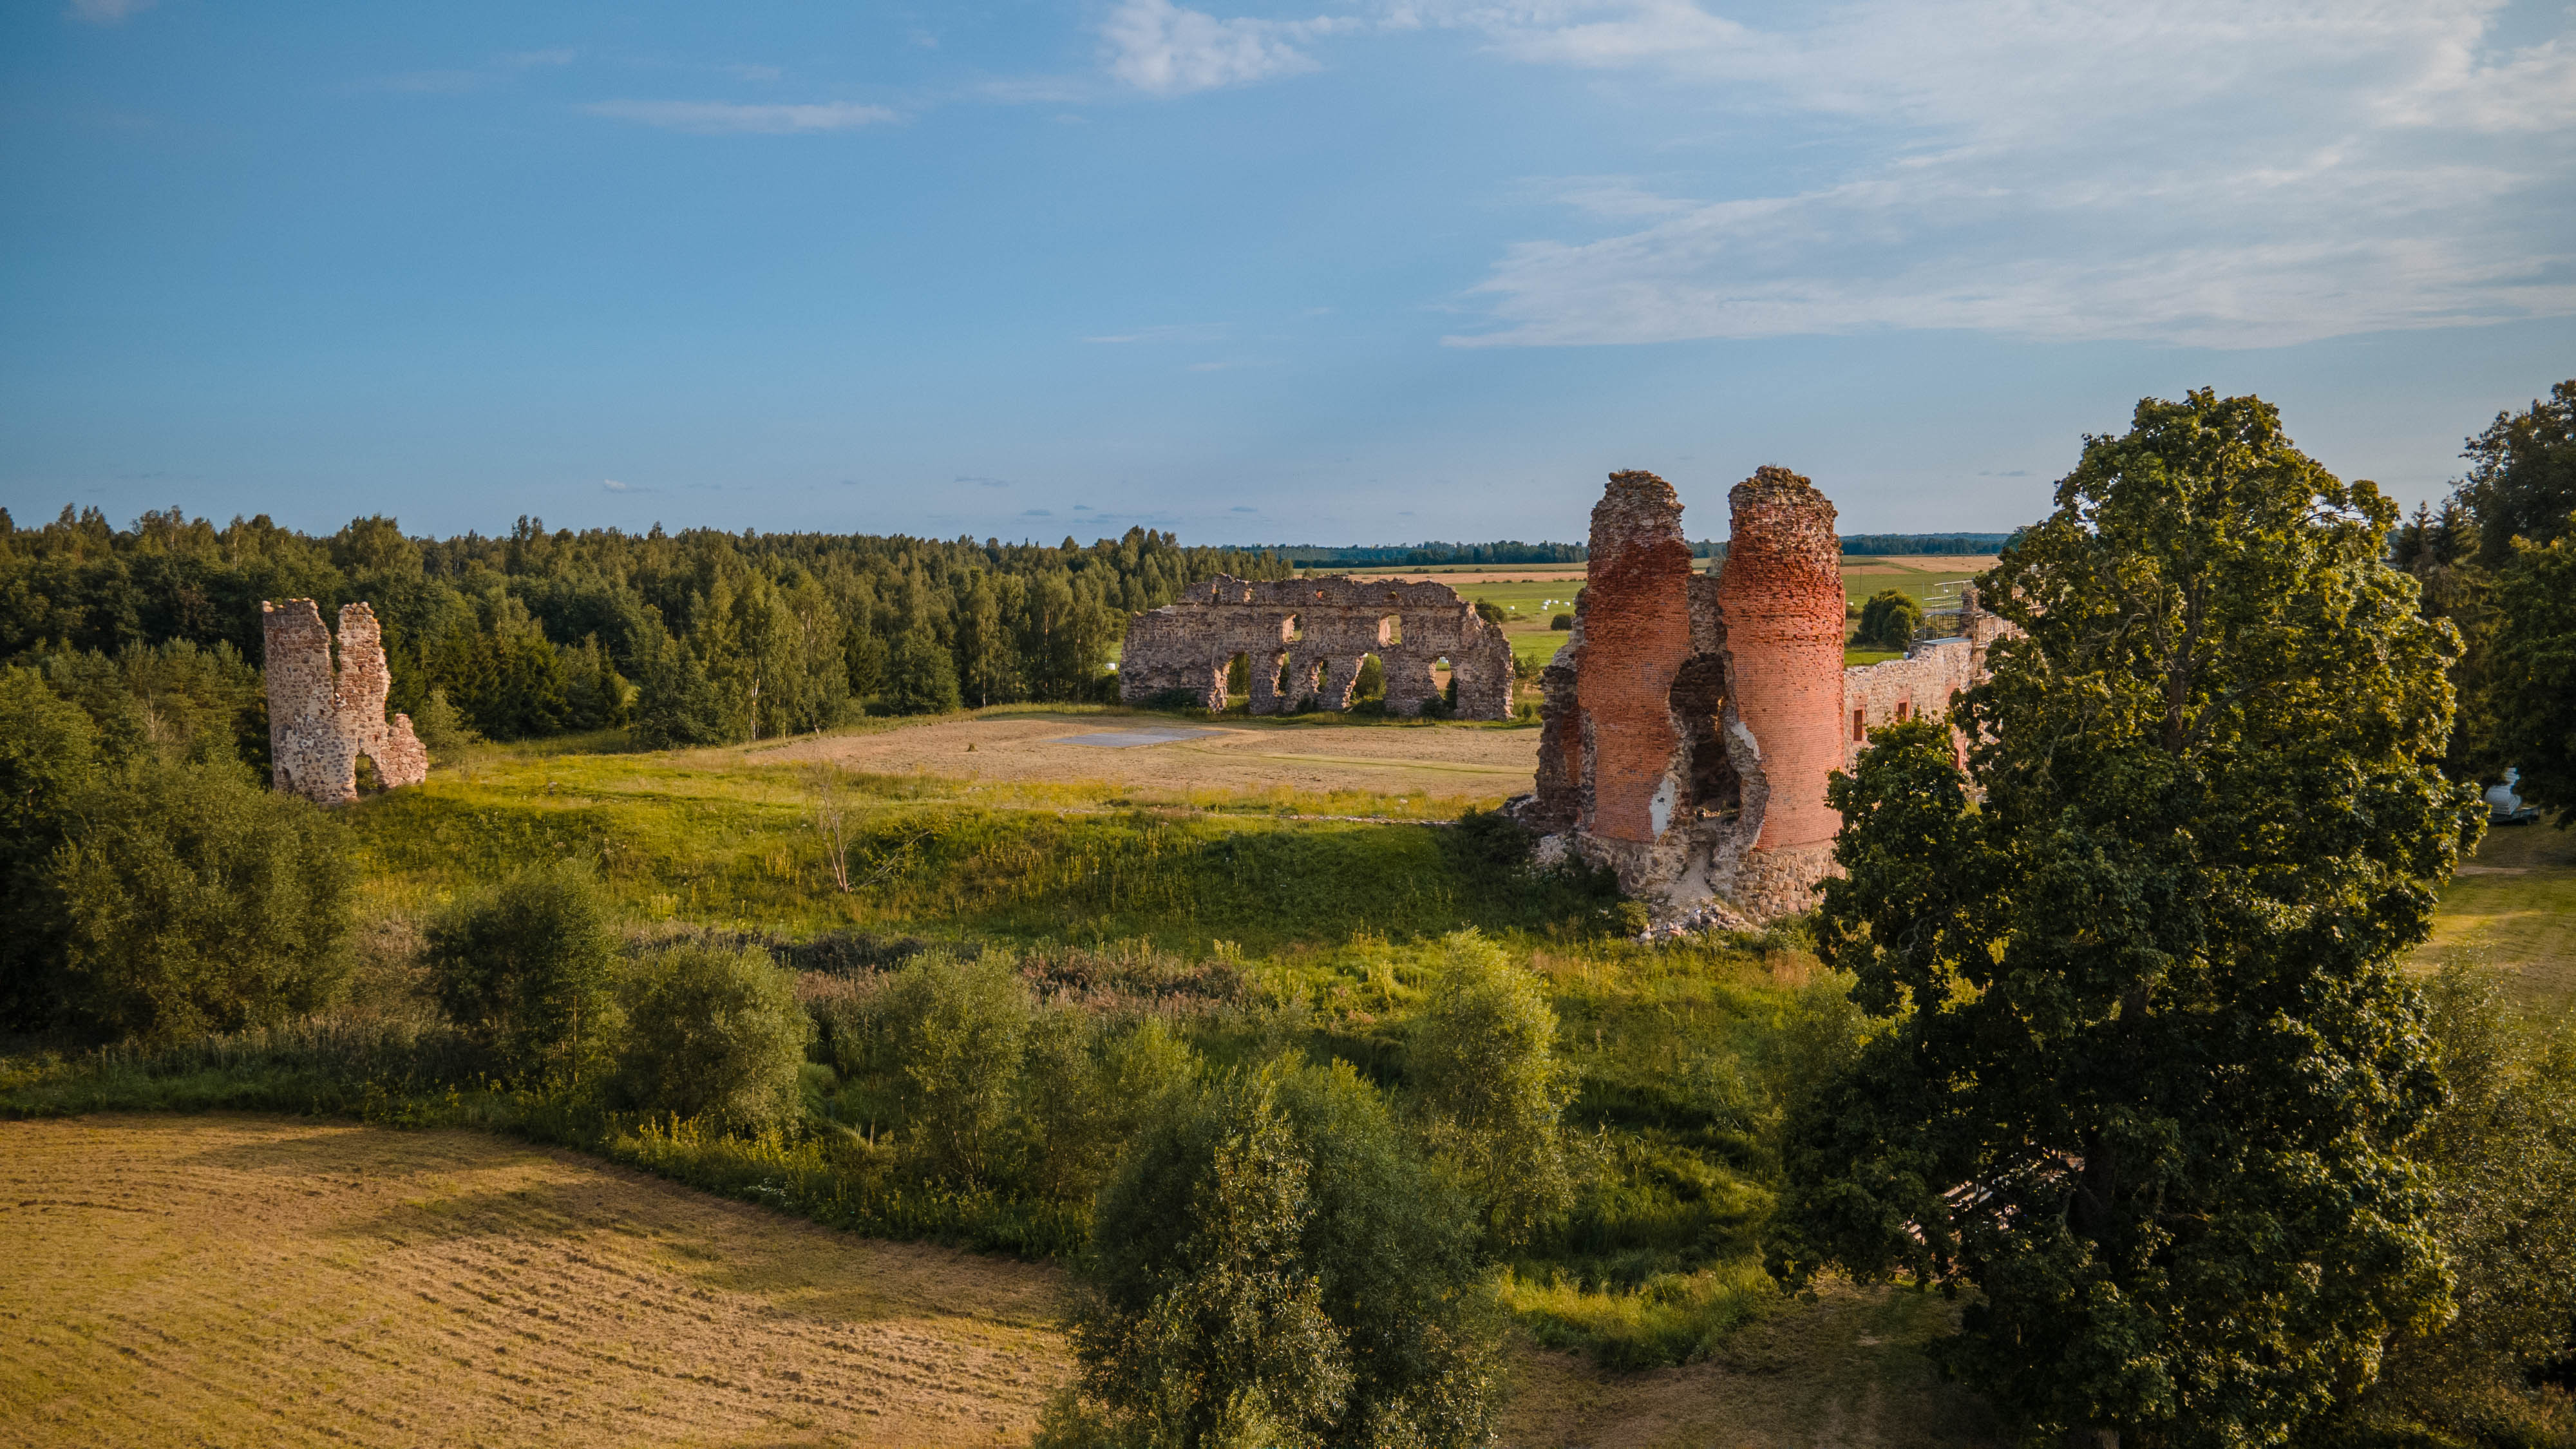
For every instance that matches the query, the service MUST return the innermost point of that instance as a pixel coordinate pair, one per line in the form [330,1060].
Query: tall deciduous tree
[2532,686]
[2522,478]
[2152,1064]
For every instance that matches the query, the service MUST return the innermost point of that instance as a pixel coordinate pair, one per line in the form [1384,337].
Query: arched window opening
[1390,631]
[1371,681]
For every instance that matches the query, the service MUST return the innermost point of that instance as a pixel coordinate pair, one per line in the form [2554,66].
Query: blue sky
[1331,271]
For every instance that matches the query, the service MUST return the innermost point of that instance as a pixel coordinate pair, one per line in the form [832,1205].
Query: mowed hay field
[257,1281]
[233,1281]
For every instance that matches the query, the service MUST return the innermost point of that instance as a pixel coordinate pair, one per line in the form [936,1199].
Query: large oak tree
[2151,1058]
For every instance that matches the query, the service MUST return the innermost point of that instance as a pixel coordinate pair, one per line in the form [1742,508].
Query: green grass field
[1680,1053]
[720,837]
[2512,909]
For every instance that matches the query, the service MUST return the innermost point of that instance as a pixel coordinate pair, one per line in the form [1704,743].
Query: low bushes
[714,1035]
[150,889]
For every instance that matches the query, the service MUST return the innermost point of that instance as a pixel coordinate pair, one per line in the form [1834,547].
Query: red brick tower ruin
[1692,719]
[1638,627]
[1782,597]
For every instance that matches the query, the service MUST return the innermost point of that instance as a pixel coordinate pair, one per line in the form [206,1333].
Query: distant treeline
[1905,543]
[1513,551]
[694,637]
[1421,555]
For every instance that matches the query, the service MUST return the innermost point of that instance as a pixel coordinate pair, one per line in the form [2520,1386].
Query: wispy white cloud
[613,486]
[723,118]
[106,12]
[2227,173]
[1167,49]
[1184,332]
[455,80]
[1041,90]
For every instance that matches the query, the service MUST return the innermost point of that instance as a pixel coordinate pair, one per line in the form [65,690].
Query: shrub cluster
[149,887]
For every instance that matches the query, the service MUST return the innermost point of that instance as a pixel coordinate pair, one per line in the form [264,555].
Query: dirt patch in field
[248,1281]
[1466,762]
[1847,1371]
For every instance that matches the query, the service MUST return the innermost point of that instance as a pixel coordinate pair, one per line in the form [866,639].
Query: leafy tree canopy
[2151,1063]
[1273,1267]
[2522,479]
[2532,686]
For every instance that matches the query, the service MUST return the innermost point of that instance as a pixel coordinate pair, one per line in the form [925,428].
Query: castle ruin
[1692,719]
[1303,641]
[320,720]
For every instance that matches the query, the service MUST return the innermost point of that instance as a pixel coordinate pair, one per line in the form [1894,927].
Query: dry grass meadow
[1306,754]
[256,1281]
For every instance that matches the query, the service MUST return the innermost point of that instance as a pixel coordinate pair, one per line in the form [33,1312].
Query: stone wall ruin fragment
[321,719]
[1303,641]
[1691,719]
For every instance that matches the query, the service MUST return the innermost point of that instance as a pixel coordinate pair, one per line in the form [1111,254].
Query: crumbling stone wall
[1303,641]
[320,720]
[1691,720]
[1933,673]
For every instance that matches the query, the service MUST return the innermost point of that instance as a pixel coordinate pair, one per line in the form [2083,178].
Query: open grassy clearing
[1320,756]
[228,1280]
[2512,908]
[725,837]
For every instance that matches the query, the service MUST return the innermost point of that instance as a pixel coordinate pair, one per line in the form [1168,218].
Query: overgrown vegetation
[2122,1044]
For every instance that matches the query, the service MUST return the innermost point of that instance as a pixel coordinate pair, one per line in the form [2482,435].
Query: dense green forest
[694,638]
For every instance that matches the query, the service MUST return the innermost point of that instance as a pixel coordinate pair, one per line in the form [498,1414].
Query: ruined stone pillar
[307,753]
[1340,676]
[1782,597]
[1636,635]
[1264,668]
[321,719]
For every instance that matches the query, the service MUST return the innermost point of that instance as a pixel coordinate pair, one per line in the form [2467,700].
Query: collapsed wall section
[1303,641]
[321,719]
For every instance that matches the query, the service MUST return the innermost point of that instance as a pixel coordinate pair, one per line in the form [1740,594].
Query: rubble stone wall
[1304,639]
[321,719]
[1932,674]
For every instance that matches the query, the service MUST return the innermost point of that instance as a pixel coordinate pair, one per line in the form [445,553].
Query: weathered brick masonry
[320,720]
[1691,721]
[1304,639]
